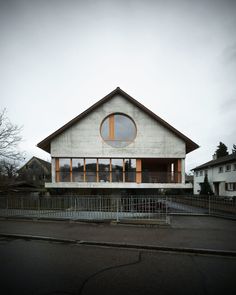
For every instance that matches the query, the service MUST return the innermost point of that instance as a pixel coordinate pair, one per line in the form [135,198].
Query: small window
[234,167]
[201,173]
[196,173]
[231,186]
[228,168]
[118,130]
[205,172]
[220,169]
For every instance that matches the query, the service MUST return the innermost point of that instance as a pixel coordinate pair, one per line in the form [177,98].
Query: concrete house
[221,175]
[117,144]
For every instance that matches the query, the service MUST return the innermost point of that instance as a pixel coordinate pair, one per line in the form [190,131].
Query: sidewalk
[196,232]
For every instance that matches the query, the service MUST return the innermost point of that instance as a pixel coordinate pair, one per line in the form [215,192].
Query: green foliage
[205,187]
[221,151]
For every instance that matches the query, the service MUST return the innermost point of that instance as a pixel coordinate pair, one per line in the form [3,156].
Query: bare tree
[9,168]
[9,138]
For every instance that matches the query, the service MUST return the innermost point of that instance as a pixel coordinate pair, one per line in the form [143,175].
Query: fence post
[38,205]
[117,209]
[166,209]
[209,205]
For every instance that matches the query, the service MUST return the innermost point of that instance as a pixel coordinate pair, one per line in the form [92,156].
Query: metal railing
[119,176]
[116,208]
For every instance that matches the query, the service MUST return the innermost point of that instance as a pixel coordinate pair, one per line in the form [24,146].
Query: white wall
[84,140]
[215,176]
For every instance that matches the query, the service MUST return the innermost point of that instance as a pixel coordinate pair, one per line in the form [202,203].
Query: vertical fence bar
[209,205]
[117,209]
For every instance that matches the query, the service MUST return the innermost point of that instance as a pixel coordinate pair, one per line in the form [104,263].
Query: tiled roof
[216,162]
[43,163]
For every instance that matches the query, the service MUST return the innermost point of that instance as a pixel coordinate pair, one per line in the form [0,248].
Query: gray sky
[178,58]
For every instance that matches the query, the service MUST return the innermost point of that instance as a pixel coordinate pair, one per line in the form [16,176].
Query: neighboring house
[118,144]
[221,174]
[35,171]
[189,178]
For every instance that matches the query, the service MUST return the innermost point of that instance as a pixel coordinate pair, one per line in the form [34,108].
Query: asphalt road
[43,268]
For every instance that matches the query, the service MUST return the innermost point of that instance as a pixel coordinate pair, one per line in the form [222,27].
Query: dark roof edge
[216,162]
[45,144]
[37,159]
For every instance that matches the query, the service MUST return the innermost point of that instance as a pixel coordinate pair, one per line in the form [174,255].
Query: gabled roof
[46,165]
[45,144]
[216,162]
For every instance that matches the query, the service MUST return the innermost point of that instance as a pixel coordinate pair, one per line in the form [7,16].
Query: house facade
[36,171]
[118,144]
[221,176]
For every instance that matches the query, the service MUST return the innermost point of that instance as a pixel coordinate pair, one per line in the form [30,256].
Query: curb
[111,222]
[124,246]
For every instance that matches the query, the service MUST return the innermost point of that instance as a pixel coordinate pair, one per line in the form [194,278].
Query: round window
[118,130]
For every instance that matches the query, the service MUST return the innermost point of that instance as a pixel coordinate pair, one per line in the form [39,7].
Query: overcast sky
[178,58]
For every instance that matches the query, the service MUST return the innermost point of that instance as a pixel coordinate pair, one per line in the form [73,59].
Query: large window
[91,170]
[95,170]
[117,170]
[104,170]
[64,169]
[118,130]
[78,170]
[130,170]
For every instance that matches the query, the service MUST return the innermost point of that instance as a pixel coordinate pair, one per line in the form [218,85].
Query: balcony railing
[119,176]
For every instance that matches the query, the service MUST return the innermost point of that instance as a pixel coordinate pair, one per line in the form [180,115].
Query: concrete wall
[120,185]
[84,139]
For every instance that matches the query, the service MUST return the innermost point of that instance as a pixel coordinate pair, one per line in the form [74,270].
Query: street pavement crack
[108,268]
[201,274]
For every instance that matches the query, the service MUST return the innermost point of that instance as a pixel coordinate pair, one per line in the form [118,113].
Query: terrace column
[53,170]
[138,171]
[177,170]
[183,171]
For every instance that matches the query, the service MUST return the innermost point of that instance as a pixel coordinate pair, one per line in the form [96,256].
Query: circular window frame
[125,115]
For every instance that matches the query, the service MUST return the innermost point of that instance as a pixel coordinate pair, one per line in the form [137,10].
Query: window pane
[130,170]
[78,170]
[117,170]
[124,128]
[91,168]
[105,129]
[64,167]
[104,170]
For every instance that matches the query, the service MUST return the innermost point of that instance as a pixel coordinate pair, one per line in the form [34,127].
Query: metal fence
[156,208]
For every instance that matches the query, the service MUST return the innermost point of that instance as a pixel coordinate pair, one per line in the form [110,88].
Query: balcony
[117,177]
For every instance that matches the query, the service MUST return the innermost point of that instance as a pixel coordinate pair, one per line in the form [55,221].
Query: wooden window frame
[138,171]
[57,170]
